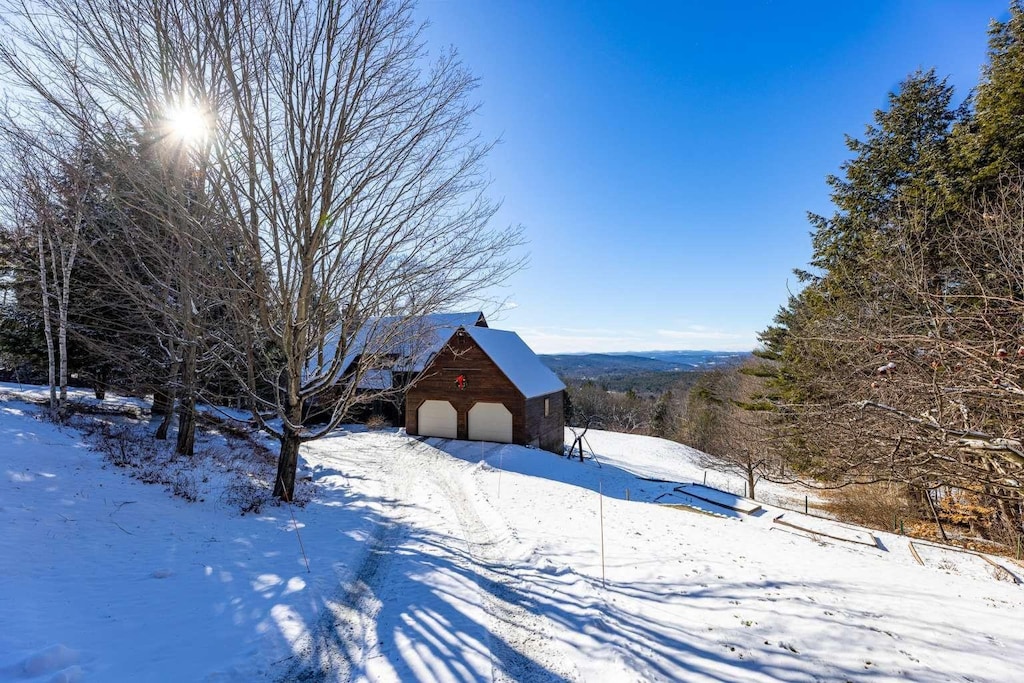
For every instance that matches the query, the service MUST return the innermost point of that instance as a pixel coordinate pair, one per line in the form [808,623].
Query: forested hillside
[650,374]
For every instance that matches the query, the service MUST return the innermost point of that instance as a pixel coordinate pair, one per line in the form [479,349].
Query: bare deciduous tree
[118,73]
[727,418]
[338,181]
[345,158]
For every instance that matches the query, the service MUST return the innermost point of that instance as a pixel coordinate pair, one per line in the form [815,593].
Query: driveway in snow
[437,595]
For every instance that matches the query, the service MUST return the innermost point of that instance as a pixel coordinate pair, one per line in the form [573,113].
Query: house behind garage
[487,385]
[401,347]
[384,356]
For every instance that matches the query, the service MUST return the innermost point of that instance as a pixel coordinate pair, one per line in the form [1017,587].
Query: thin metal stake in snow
[295,525]
[600,504]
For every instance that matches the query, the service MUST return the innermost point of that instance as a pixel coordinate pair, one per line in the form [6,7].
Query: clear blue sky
[662,156]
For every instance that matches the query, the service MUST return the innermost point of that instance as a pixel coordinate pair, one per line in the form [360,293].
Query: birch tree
[129,76]
[50,189]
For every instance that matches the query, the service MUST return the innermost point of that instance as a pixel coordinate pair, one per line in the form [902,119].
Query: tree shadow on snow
[412,611]
[389,599]
[419,625]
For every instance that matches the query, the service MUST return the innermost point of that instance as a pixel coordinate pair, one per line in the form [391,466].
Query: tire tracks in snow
[345,637]
[340,640]
[517,638]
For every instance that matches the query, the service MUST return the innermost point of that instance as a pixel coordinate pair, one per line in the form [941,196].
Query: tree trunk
[287,463]
[186,426]
[163,401]
[165,424]
[187,404]
[62,341]
[67,264]
[51,362]
[172,379]
[935,513]
[751,480]
[99,382]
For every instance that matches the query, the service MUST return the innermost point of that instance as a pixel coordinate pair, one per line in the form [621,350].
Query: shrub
[183,485]
[123,446]
[377,422]
[247,494]
[879,506]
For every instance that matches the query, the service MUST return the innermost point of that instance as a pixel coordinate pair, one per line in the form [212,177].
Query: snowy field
[452,561]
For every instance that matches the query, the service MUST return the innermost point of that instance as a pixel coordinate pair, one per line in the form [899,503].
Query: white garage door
[437,418]
[490,422]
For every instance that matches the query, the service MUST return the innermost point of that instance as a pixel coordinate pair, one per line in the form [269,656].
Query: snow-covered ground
[452,561]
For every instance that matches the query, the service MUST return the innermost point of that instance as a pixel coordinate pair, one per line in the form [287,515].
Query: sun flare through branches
[187,124]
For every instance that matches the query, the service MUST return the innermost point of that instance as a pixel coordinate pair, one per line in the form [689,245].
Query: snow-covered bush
[184,485]
[247,495]
[122,445]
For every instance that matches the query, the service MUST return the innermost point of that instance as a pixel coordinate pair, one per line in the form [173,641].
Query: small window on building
[547,407]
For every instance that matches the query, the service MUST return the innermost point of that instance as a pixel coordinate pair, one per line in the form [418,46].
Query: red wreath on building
[460,382]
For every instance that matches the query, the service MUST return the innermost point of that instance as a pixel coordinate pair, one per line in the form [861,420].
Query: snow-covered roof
[376,380]
[410,341]
[517,360]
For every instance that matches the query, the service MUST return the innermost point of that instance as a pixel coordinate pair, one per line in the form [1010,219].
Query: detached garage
[487,385]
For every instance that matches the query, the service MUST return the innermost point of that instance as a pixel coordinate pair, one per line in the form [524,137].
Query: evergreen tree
[663,417]
[896,360]
[894,191]
[900,168]
[991,144]
[901,165]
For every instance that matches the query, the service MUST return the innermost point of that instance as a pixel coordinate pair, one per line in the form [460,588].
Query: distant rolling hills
[650,371]
[591,365]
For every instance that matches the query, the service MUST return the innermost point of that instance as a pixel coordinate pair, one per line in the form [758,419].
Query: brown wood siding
[484,383]
[547,432]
